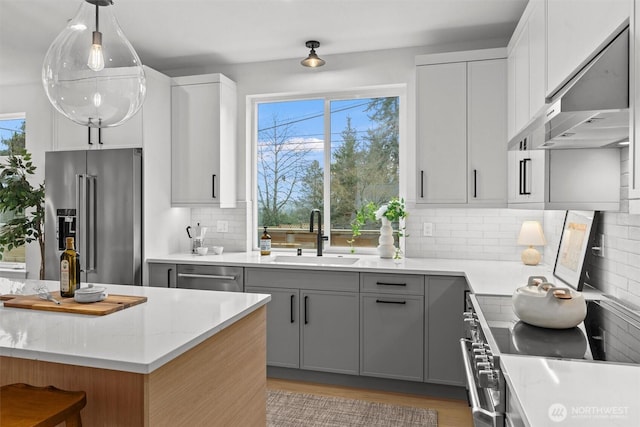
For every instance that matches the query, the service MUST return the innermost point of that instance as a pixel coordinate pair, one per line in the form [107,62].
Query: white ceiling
[174,34]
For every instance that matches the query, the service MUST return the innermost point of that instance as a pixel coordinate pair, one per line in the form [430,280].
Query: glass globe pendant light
[91,73]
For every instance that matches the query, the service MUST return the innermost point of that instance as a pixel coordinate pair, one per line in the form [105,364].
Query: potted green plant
[392,211]
[25,201]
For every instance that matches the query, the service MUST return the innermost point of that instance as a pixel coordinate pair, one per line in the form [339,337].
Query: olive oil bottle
[265,243]
[69,270]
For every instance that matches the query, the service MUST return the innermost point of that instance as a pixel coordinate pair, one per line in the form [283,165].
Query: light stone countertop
[484,277]
[574,394]
[138,339]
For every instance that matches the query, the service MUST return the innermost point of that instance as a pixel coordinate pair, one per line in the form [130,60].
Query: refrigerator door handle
[91,209]
[81,224]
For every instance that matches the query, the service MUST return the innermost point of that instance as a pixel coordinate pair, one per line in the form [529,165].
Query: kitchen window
[333,153]
[12,140]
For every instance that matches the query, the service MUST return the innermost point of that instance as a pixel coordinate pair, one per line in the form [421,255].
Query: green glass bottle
[69,270]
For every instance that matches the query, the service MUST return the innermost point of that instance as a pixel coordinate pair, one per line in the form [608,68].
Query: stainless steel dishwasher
[210,278]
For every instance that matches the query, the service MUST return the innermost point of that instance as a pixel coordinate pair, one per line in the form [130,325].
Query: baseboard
[382,384]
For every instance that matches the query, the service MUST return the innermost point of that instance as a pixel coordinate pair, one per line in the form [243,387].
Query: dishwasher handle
[206,276]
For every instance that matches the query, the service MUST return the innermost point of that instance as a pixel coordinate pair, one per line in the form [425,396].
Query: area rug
[287,409]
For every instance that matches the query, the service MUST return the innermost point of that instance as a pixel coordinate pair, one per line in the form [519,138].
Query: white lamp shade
[96,85]
[531,234]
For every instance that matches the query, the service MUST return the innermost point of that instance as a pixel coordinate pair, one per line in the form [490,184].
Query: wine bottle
[69,270]
[265,243]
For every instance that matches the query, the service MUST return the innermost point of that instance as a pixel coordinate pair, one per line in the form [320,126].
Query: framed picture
[575,247]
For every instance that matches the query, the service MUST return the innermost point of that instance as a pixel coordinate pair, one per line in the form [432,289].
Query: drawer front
[302,279]
[403,284]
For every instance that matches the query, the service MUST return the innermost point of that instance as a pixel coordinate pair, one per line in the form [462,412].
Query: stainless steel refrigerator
[96,197]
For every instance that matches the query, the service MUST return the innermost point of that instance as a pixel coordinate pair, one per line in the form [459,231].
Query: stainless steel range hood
[592,109]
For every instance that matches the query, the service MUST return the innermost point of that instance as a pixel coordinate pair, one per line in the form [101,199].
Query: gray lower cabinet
[392,326]
[283,326]
[162,275]
[392,336]
[312,320]
[445,327]
[329,335]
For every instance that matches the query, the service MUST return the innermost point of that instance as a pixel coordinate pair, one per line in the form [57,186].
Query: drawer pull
[381,301]
[390,284]
[206,276]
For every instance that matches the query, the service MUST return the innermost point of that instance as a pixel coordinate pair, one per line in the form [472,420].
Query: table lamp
[531,235]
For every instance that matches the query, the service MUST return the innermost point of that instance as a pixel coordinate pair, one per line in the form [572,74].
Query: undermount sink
[316,260]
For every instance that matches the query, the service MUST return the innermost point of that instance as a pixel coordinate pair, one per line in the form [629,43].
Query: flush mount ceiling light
[312,60]
[91,73]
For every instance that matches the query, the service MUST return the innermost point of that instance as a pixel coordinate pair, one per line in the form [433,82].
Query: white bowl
[217,250]
[202,250]
[548,306]
[90,294]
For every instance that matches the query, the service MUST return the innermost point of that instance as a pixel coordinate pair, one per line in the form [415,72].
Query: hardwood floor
[451,413]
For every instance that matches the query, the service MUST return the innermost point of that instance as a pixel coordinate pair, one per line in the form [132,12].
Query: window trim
[393,90]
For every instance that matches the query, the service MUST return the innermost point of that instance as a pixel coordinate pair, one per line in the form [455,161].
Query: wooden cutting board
[68,305]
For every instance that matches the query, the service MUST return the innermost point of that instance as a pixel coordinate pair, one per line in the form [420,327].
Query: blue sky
[306,117]
[7,128]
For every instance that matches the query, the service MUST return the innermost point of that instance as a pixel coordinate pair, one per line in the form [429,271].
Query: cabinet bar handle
[206,276]
[381,301]
[475,183]
[89,133]
[100,135]
[213,186]
[169,277]
[306,309]
[390,284]
[524,177]
[292,302]
[422,183]
[520,178]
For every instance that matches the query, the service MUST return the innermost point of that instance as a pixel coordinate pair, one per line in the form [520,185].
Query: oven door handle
[478,412]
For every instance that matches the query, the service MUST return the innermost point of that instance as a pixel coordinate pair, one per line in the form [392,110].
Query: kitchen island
[184,357]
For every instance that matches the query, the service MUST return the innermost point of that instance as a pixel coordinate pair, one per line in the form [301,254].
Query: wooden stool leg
[74,420]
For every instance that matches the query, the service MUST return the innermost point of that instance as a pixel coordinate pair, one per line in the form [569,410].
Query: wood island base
[222,381]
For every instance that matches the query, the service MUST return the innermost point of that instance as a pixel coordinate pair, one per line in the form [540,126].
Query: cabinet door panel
[162,275]
[487,138]
[283,323]
[330,328]
[442,133]
[392,336]
[72,136]
[445,328]
[195,112]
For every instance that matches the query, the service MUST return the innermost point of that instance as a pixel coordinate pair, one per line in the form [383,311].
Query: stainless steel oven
[486,387]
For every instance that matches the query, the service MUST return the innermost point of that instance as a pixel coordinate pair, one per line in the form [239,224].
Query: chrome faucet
[320,238]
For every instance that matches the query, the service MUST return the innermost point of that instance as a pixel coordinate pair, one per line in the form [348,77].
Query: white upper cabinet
[442,133]
[576,31]
[203,140]
[487,131]
[72,136]
[634,132]
[526,68]
[461,128]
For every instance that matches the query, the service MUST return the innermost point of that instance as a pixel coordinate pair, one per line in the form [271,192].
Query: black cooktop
[608,333]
